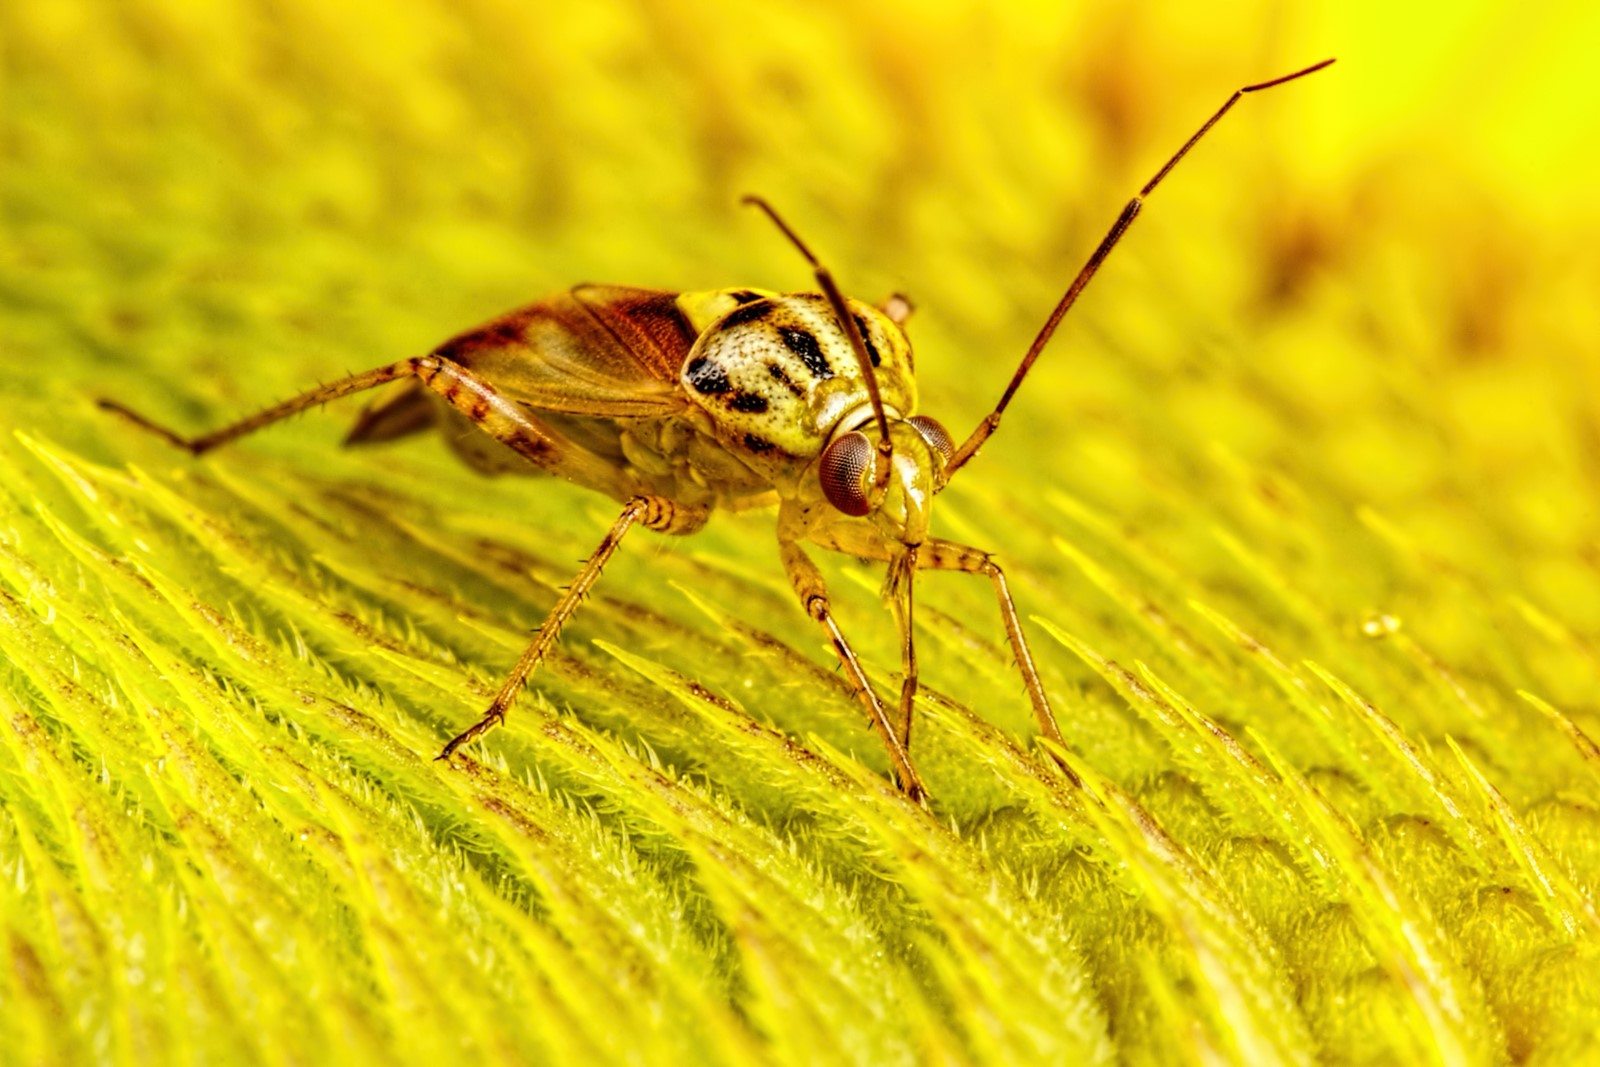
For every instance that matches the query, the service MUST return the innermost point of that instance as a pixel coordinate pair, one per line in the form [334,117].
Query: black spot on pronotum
[705,376]
[754,403]
[805,346]
[866,340]
[745,296]
[781,376]
[752,312]
[757,444]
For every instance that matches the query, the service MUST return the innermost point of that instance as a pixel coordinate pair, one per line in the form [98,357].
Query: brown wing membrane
[646,322]
[597,350]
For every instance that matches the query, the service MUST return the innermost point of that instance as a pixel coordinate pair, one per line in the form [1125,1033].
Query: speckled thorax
[776,373]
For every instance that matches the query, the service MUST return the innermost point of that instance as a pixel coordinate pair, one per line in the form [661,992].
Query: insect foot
[494,717]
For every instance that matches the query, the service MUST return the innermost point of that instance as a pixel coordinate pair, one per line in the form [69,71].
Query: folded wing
[604,351]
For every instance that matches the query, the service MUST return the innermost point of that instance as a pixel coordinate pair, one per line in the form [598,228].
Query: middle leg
[655,513]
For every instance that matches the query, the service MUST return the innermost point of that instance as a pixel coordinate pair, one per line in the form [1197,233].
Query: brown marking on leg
[669,517]
[509,422]
[505,420]
[517,426]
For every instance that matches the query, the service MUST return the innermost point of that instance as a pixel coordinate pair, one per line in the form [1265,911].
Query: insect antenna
[847,322]
[970,446]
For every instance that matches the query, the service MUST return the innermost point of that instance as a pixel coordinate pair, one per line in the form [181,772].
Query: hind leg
[512,424]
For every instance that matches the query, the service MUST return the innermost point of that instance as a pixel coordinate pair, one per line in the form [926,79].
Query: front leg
[813,593]
[897,592]
[937,554]
[940,555]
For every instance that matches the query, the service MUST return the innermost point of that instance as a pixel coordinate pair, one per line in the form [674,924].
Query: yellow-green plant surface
[1302,507]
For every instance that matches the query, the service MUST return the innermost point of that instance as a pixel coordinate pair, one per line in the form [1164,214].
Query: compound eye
[843,468]
[935,434]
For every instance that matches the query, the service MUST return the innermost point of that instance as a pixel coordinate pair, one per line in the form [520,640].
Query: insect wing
[596,350]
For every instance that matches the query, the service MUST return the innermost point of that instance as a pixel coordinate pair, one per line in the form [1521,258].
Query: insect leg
[898,591]
[949,556]
[970,446]
[508,422]
[267,416]
[514,426]
[865,543]
[813,593]
[656,513]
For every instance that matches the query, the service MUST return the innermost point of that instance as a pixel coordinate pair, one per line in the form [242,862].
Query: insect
[677,405]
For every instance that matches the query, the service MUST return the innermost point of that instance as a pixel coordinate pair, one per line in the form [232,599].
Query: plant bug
[679,404]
